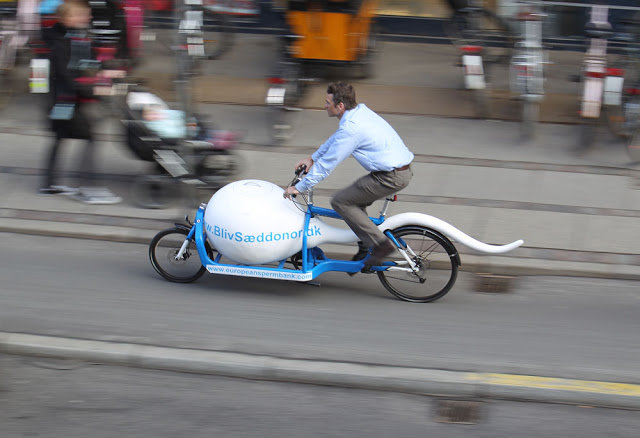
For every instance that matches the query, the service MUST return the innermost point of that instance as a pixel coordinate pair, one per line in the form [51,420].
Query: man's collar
[347,114]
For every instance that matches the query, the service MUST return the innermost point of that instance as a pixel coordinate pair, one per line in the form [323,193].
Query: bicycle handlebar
[300,170]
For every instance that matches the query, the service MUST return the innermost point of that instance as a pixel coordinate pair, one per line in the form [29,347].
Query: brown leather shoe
[363,251]
[379,253]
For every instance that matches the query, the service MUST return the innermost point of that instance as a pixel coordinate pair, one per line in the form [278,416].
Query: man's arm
[341,144]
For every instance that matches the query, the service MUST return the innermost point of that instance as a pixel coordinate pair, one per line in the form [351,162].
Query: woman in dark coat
[70,49]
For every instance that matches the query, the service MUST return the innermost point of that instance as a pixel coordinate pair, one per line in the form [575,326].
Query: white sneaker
[59,190]
[97,196]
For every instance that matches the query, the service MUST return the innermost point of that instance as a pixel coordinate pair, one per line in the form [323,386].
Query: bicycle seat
[598,30]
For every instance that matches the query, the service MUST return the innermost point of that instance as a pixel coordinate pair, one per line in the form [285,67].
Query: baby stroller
[191,160]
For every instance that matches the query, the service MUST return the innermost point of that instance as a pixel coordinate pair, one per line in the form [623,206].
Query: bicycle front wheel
[435,271]
[164,248]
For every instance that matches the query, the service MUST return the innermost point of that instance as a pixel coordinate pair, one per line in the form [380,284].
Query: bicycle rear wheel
[163,250]
[436,266]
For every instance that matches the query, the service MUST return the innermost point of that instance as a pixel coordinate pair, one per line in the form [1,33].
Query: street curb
[432,382]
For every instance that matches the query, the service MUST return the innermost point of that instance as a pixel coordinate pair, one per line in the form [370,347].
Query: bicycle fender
[404,219]
[182,226]
[449,246]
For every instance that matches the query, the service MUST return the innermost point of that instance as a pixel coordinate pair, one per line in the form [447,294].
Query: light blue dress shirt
[365,135]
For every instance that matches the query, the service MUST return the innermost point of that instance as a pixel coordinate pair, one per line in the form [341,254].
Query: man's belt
[403,167]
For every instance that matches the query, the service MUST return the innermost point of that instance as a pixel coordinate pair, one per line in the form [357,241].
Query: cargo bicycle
[248,229]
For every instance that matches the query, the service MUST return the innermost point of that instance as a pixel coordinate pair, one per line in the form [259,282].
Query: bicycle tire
[217,34]
[436,262]
[163,249]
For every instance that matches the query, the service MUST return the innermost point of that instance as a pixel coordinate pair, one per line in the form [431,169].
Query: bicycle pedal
[366,270]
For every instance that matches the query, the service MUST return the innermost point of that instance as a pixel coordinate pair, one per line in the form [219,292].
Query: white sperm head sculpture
[250,222]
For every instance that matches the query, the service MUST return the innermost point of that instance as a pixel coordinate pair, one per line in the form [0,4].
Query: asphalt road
[71,399]
[575,328]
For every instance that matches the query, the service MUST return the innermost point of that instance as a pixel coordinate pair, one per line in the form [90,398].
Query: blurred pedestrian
[378,148]
[70,59]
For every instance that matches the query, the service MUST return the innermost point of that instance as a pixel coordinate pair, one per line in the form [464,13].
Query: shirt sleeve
[338,147]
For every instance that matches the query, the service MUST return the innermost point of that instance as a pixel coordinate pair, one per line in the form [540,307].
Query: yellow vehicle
[332,31]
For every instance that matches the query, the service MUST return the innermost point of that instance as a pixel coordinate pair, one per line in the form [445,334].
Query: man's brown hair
[343,92]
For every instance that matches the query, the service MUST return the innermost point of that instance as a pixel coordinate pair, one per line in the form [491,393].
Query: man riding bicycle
[378,148]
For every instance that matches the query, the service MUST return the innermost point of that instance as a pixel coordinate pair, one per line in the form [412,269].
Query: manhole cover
[458,411]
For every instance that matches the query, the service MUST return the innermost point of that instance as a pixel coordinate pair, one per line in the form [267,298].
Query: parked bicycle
[483,40]
[622,84]
[248,229]
[286,88]
[218,17]
[598,30]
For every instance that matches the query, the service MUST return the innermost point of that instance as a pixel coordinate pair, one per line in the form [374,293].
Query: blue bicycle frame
[314,261]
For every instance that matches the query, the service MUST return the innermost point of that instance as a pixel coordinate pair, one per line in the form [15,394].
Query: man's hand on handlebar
[302,167]
[306,162]
[290,191]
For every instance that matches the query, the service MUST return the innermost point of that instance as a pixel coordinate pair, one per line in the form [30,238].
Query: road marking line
[593,386]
